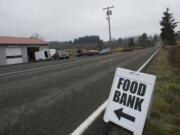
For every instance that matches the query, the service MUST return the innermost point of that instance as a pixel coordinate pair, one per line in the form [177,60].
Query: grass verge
[165,111]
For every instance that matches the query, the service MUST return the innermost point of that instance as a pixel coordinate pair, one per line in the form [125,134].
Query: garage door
[14,55]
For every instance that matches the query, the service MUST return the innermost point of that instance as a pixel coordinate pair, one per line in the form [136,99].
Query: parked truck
[62,54]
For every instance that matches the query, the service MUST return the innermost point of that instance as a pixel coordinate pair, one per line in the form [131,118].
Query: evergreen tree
[168,24]
[143,39]
[130,42]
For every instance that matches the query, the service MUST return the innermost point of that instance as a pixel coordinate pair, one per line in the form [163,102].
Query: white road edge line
[82,128]
[147,61]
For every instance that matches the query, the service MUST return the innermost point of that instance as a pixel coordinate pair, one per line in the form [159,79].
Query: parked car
[61,54]
[83,53]
[86,53]
[94,52]
[105,51]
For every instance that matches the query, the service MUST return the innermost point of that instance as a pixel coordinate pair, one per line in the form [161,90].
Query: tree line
[94,42]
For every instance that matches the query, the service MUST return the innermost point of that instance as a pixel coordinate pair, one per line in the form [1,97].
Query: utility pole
[109,13]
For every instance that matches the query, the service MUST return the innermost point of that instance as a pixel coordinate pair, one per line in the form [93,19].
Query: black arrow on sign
[119,113]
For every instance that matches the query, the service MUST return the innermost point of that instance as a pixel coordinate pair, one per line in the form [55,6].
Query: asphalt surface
[56,97]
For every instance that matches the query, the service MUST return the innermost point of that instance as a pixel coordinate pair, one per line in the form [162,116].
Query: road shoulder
[165,112]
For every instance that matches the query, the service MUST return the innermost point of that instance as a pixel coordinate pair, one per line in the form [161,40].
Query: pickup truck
[61,54]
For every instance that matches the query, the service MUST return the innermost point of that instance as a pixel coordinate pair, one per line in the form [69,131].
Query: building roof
[21,41]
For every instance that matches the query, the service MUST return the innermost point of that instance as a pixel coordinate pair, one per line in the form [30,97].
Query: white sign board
[130,99]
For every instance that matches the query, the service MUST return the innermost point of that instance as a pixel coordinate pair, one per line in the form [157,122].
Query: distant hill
[87,39]
[81,42]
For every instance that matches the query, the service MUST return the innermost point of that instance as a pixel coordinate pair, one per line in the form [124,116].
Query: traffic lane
[32,65]
[8,117]
[26,66]
[39,112]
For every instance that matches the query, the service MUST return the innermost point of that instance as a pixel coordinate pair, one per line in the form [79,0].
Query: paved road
[35,65]
[55,100]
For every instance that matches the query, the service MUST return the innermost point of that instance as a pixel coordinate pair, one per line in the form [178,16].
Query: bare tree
[36,35]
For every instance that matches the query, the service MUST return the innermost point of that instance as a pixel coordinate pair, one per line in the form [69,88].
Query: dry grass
[117,50]
[125,49]
[165,112]
[72,52]
[175,57]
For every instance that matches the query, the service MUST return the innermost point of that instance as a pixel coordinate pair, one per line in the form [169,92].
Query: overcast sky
[68,19]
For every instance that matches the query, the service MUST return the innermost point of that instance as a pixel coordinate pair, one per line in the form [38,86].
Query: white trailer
[44,54]
[51,52]
[41,55]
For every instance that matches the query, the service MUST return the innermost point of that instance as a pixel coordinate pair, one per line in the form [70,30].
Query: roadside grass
[115,50]
[165,111]
[175,57]
[72,52]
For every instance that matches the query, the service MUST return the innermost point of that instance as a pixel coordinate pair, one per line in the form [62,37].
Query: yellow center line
[104,61]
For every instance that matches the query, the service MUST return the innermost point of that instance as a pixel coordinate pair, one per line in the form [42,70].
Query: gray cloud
[68,19]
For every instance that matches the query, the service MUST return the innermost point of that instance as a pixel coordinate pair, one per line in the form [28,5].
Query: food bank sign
[130,99]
